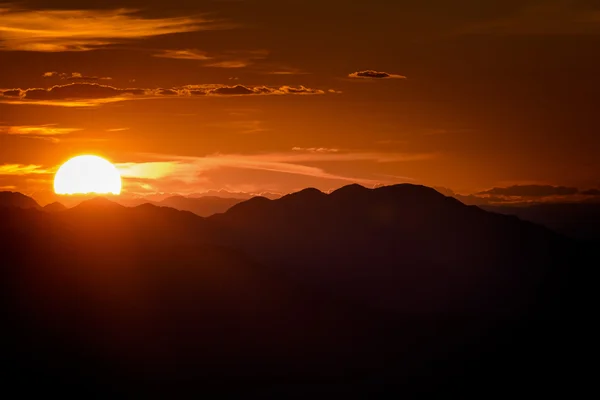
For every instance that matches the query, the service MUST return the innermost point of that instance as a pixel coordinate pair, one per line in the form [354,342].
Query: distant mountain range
[398,287]
[203,206]
[578,220]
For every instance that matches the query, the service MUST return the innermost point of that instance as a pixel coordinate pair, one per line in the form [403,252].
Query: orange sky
[264,95]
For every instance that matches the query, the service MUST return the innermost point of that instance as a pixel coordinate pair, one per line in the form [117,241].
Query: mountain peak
[349,190]
[304,194]
[410,190]
[54,207]
[252,204]
[16,199]
[98,203]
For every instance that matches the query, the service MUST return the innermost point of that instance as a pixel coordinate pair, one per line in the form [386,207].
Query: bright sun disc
[87,174]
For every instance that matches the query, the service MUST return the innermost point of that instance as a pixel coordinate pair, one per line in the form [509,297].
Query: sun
[87,174]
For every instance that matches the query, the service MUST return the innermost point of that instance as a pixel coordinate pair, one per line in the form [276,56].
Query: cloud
[227,59]
[158,172]
[233,90]
[242,126]
[316,149]
[84,30]
[11,93]
[524,194]
[241,90]
[23,169]
[285,71]
[155,170]
[72,95]
[370,74]
[94,94]
[167,92]
[75,77]
[186,54]
[44,132]
[191,169]
[229,64]
[531,191]
[591,192]
[238,58]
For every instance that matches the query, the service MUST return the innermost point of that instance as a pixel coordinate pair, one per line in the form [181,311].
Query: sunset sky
[272,95]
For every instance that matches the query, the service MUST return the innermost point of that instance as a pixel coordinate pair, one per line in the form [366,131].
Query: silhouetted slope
[397,287]
[577,220]
[145,288]
[15,199]
[54,207]
[396,246]
[203,206]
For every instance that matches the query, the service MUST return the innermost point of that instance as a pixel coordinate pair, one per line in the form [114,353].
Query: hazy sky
[257,95]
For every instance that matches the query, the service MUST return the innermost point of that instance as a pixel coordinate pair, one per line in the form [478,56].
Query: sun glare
[87,174]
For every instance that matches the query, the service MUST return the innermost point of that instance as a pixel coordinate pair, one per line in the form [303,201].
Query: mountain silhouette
[577,220]
[54,207]
[15,199]
[415,241]
[203,206]
[398,287]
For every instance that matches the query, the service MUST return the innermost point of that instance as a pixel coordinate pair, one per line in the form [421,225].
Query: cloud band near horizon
[92,94]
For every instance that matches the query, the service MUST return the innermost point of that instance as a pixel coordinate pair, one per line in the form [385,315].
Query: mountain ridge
[17,199]
[394,286]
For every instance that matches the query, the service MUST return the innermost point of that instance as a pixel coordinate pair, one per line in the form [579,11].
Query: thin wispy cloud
[229,64]
[242,126]
[192,169]
[284,71]
[185,54]
[226,59]
[50,132]
[84,30]
[316,149]
[24,169]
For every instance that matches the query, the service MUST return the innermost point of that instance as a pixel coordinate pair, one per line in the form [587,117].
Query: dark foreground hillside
[356,292]
[577,220]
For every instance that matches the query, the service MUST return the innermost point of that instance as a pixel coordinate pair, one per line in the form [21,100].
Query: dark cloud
[77,91]
[12,93]
[94,93]
[591,192]
[197,92]
[233,90]
[241,90]
[371,74]
[299,90]
[531,191]
[75,77]
[166,92]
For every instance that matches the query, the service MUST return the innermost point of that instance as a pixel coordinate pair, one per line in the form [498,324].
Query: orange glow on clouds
[82,30]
